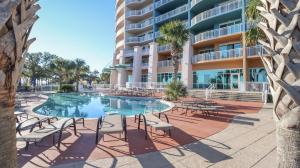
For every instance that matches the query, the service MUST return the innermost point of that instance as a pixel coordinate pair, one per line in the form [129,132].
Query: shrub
[67,88]
[174,90]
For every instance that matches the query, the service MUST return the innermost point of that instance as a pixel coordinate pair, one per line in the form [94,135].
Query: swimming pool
[94,105]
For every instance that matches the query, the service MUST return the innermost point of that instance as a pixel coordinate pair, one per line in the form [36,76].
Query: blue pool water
[93,105]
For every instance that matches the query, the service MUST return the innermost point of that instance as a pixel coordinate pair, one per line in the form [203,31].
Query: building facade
[215,54]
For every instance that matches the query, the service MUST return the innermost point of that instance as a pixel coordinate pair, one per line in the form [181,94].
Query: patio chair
[51,129]
[154,122]
[31,123]
[20,114]
[111,124]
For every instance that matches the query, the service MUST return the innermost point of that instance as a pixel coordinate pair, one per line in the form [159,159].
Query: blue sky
[76,29]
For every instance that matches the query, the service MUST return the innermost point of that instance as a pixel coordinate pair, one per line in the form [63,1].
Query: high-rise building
[216,52]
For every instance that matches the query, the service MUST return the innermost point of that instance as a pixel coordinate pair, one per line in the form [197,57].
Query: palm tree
[61,70]
[176,35]
[16,21]
[81,70]
[254,33]
[281,26]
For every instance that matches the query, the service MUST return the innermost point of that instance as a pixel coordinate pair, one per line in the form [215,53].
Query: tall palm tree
[176,35]
[254,33]
[281,25]
[16,20]
[61,69]
[81,70]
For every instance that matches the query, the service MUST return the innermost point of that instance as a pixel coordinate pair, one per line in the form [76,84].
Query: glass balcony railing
[142,25]
[222,9]
[211,34]
[256,51]
[172,13]
[128,53]
[145,51]
[134,1]
[163,48]
[139,12]
[165,63]
[161,3]
[218,55]
[194,2]
[145,65]
[142,39]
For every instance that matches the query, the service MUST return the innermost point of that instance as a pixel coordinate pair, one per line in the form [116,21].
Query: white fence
[146,85]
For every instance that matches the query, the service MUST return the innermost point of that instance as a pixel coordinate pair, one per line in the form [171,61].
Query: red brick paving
[82,147]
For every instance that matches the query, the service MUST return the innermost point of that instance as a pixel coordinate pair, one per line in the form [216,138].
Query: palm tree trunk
[16,21]
[281,27]
[175,62]
[8,152]
[77,86]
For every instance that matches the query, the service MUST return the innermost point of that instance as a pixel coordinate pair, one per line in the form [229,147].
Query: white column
[114,73]
[137,65]
[186,72]
[122,74]
[153,60]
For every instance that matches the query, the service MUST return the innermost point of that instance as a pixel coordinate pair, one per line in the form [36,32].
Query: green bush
[67,88]
[174,90]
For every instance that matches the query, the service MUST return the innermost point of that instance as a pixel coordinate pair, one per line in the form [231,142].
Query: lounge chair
[31,123]
[154,122]
[111,124]
[51,129]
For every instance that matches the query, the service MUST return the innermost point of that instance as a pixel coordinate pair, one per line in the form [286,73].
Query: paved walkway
[237,146]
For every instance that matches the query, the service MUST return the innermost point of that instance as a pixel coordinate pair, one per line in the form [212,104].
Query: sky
[76,29]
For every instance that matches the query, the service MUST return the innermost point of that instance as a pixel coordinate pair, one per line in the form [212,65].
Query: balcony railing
[128,53]
[146,85]
[163,48]
[139,12]
[145,51]
[194,2]
[256,51]
[134,1]
[145,65]
[222,9]
[165,63]
[161,3]
[172,13]
[141,25]
[211,34]
[218,55]
[142,39]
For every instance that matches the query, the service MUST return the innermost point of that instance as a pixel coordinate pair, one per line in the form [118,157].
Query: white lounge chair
[51,129]
[111,124]
[154,122]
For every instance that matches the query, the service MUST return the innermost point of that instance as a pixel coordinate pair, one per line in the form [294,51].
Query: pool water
[94,105]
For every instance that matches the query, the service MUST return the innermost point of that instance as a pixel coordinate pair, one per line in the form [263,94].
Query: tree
[61,70]
[33,67]
[16,20]
[105,77]
[80,71]
[176,35]
[254,33]
[281,26]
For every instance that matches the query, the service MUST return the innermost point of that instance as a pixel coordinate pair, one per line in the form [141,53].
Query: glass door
[235,81]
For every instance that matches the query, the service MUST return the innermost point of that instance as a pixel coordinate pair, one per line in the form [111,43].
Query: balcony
[141,12]
[173,13]
[121,7]
[145,65]
[129,53]
[218,55]
[163,48]
[128,2]
[194,2]
[161,3]
[142,25]
[145,51]
[255,51]
[165,63]
[217,11]
[216,33]
[142,39]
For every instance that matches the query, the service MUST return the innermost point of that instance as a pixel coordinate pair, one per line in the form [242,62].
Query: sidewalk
[239,145]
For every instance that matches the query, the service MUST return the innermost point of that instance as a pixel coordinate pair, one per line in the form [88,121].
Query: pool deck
[241,136]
